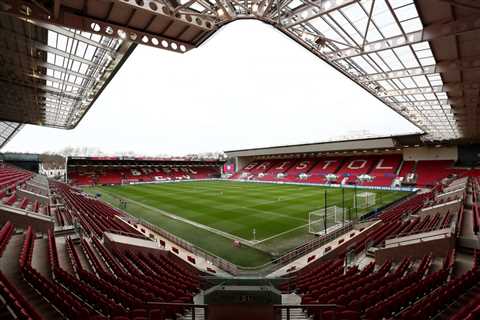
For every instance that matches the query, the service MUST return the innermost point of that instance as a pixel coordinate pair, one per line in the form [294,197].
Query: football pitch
[268,219]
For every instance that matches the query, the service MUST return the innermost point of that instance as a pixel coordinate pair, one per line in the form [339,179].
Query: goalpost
[316,219]
[364,200]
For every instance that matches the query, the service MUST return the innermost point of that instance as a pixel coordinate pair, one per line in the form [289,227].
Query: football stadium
[356,228]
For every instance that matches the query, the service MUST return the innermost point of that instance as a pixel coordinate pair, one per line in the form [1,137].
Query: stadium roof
[420,57]
[390,143]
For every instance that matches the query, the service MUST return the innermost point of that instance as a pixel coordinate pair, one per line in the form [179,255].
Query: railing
[261,270]
[202,253]
[421,237]
[26,212]
[297,252]
[279,308]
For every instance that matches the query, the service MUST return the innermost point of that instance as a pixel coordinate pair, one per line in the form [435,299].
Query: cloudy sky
[248,86]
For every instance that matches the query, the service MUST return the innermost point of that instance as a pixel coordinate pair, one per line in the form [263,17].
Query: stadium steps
[399,169]
[83,259]
[295,314]
[97,254]
[63,258]
[9,266]
[40,258]
[463,263]
[437,264]
[199,315]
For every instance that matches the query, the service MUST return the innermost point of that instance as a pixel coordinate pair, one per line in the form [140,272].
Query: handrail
[277,308]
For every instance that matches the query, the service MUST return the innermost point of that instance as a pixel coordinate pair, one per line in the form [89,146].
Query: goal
[316,219]
[364,200]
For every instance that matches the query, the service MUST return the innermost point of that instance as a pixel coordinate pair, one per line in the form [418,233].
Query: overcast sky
[248,86]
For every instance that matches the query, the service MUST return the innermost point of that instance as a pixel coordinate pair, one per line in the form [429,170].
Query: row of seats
[23,203]
[107,288]
[475,208]
[80,176]
[424,224]
[5,234]
[175,285]
[429,172]
[408,206]
[16,301]
[382,169]
[12,298]
[10,177]
[128,294]
[94,216]
[63,217]
[438,299]
[55,294]
[373,294]
[93,297]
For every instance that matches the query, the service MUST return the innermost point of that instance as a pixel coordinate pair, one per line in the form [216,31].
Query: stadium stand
[65,254]
[92,171]
[376,171]
[89,277]
[429,172]
[95,216]
[300,169]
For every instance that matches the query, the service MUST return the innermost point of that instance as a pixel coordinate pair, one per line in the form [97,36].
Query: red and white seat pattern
[140,174]
[315,170]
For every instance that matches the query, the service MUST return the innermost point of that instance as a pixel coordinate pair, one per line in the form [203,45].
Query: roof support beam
[70,34]
[314,10]
[425,103]
[430,32]
[44,90]
[449,87]
[43,47]
[9,132]
[104,27]
[59,81]
[441,67]
[31,62]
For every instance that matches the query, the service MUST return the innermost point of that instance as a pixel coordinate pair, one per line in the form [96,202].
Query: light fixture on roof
[220,12]
[378,88]
[109,57]
[321,42]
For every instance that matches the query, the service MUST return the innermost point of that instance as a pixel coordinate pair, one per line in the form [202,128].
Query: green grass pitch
[213,213]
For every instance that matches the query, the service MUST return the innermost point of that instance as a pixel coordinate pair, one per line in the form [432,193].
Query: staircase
[199,315]
[9,266]
[399,169]
[295,314]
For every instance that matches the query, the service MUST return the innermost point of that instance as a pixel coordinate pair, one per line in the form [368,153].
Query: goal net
[364,200]
[316,219]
